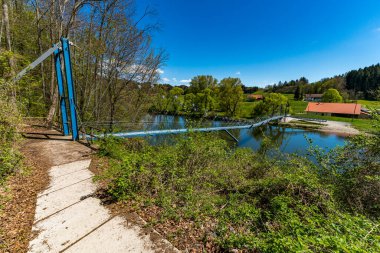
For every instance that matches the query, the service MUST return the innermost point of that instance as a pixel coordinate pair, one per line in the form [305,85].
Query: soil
[19,202]
[19,193]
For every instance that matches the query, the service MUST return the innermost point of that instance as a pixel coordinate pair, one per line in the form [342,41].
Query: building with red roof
[255,96]
[334,109]
[313,97]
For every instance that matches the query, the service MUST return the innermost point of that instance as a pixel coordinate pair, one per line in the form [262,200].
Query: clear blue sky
[262,41]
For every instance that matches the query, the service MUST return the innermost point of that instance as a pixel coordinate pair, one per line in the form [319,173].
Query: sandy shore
[336,127]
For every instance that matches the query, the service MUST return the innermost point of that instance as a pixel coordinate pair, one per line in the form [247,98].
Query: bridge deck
[185,130]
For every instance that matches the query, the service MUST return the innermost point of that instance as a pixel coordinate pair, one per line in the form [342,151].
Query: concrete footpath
[69,219]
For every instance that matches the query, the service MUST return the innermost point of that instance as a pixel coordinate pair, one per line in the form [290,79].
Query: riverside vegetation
[10,157]
[236,198]
[230,198]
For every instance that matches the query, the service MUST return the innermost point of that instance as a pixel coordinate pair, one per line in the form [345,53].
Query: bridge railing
[148,128]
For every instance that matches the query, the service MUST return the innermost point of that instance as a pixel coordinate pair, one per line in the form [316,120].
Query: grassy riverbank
[363,125]
[298,110]
[203,195]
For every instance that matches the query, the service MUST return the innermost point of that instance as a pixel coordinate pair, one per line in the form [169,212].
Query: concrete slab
[114,236]
[59,200]
[65,221]
[64,228]
[67,180]
[61,170]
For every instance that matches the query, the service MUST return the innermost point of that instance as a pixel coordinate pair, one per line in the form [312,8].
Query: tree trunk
[9,46]
[1,28]
[53,108]
[39,42]
[53,87]
[8,36]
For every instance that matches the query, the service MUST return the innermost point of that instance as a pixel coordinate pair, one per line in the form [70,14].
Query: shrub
[332,96]
[9,121]
[252,202]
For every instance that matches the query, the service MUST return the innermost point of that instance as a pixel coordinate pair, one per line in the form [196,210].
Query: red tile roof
[340,108]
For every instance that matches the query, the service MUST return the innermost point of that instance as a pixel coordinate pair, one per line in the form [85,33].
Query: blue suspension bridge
[69,118]
[182,130]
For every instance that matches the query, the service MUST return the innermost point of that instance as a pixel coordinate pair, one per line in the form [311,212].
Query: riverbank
[334,125]
[204,195]
[328,126]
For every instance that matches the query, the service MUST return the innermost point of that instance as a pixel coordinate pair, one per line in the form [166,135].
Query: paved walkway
[69,219]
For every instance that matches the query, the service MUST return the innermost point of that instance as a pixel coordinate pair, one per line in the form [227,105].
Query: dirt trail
[69,217]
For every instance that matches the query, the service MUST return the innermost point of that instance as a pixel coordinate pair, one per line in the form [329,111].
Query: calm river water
[287,140]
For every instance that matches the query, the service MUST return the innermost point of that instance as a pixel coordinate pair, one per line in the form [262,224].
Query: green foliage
[189,104]
[31,96]
[271,104]
[364,82]
[200,103]
[199,83]
[370,104]
[355,171]
[298,93]
[9,120]
[230,95]
[332,96]
[204,96]
[174,99]
[160,102]
[242,199]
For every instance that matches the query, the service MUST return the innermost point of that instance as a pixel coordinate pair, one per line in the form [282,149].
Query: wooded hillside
[363,83]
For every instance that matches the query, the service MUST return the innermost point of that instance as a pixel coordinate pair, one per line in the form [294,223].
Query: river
[286,140]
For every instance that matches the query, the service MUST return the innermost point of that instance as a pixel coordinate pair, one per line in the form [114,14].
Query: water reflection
[261,139]
[288,140]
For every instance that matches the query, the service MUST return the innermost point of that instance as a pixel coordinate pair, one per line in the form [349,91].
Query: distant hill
[363,83]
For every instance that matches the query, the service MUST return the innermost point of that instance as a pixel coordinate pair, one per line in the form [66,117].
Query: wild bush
[252,202]
[354,170]
[9,121]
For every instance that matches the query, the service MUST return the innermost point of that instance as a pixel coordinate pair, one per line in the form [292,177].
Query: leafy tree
[270,105]
[331,96]
[189,103]
[230,94]
[205,101]
[174,98]
[160,101]
[202,82]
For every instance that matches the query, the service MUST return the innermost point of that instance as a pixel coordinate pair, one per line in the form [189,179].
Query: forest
[363,83]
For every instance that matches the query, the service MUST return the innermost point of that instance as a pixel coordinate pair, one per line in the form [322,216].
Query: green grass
[370,104]
[245,109]
[295,105]
[365,125]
